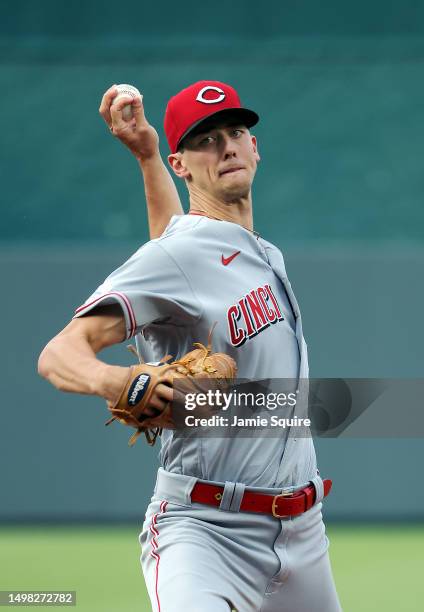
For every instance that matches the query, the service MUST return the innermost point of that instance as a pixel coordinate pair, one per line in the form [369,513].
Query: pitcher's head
[208,134]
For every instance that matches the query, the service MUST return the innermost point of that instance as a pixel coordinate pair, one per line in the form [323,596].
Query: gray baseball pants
[198,558]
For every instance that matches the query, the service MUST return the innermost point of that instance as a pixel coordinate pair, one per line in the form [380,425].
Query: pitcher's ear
[255,147]
[176,162]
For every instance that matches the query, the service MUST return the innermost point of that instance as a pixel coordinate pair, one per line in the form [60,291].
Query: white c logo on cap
[200,97]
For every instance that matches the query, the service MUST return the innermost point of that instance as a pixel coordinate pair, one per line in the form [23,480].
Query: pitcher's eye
[207,140]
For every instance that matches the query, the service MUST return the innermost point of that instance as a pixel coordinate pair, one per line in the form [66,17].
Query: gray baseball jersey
[172,290]
[194,557]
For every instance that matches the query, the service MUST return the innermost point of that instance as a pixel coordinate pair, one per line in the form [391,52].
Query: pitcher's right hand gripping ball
[132,407]
[133,130]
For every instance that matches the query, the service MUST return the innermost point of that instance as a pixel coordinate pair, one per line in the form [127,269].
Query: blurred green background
[340,91]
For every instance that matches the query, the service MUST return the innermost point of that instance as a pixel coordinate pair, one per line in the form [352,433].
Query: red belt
[282,505]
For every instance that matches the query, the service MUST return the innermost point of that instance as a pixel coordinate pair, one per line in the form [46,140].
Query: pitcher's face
[220,159]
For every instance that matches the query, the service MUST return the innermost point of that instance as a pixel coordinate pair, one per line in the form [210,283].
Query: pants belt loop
[319,488]
[227,495]
[237,497]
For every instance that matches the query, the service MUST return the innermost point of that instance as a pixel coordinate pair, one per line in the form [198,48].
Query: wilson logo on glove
[138,389]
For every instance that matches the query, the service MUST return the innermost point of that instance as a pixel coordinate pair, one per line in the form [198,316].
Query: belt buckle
[274,504]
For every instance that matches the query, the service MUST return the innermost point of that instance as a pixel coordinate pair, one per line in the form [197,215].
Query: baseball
[127,91]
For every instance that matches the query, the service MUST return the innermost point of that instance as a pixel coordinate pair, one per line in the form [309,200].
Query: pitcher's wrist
[149,159]
[110,381]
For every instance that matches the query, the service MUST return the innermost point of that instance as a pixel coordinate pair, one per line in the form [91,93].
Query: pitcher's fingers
[149,413]
[180,396]
[138,111]
[165,392]
[156,406]
[116,109]
[106,103]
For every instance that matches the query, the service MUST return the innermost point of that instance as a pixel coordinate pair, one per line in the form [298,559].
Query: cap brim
[247,117]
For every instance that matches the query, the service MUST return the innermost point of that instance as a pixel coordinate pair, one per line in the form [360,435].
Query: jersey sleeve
[150,288]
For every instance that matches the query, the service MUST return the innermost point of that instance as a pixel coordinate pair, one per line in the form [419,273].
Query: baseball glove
[130,408]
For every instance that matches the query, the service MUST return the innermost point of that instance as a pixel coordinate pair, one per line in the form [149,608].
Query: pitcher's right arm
[141,138]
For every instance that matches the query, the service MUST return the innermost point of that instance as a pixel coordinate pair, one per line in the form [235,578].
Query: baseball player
[234,523]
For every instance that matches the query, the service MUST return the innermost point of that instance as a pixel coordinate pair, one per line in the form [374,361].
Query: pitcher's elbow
[43,366]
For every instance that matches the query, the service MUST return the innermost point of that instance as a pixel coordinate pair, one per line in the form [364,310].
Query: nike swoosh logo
[227,260]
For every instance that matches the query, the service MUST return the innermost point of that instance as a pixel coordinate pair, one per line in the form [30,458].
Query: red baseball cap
[200,101]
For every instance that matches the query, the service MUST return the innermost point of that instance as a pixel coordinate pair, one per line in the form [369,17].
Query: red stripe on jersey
[155,546]
[126,301]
